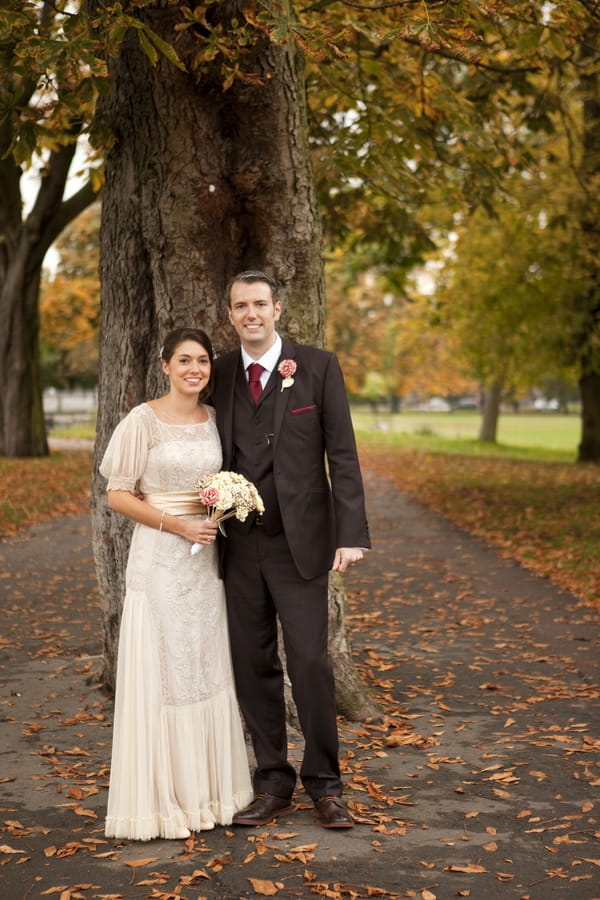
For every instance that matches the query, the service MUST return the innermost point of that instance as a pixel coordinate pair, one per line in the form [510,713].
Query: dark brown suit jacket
[322,503]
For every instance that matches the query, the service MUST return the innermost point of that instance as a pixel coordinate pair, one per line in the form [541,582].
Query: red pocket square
[303,409]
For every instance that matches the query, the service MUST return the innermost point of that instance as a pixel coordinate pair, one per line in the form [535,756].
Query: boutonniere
[286,369]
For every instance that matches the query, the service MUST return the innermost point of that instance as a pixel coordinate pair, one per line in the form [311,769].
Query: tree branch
[71,208]
[54,179]
[49,215]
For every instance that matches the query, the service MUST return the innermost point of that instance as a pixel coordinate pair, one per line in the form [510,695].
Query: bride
[179,761]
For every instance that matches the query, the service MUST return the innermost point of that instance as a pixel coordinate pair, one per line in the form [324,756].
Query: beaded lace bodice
[157,456]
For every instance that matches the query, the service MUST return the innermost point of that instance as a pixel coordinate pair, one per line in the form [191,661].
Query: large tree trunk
[200,183]
[491,396]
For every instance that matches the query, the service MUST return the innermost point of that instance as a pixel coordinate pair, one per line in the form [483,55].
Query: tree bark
[589,446]
[589,177]
[491,397]
[200,183]
[22,250]
[22,429]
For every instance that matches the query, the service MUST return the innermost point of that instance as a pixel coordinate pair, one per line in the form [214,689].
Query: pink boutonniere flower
[286,369]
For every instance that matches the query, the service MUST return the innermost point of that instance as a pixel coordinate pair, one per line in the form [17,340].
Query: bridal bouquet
[227,494]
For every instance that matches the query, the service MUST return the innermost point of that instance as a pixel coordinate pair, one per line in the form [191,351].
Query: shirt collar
[269,359]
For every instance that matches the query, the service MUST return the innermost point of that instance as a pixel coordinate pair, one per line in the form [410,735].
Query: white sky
[30,183]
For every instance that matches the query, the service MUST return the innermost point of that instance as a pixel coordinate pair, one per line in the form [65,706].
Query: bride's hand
[204,532]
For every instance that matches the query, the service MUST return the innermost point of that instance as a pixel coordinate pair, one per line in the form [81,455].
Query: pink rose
[209,496]
[286,368]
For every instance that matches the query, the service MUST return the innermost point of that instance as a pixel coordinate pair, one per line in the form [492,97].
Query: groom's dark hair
[249,277]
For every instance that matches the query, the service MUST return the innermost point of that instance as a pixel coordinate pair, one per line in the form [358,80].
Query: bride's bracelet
[162,520]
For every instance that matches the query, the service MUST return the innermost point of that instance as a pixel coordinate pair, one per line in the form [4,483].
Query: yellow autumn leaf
[4,848]
[266,888]
[469,869]
[136,863]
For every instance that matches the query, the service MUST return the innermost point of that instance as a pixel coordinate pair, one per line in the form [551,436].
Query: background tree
[431,112]
[47,75]
[391,344]
[587,167]
[508,283]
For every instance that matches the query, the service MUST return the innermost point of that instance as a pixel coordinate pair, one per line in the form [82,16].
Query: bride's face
[188,370]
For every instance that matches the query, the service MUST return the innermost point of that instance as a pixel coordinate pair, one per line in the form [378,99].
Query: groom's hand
[345,557]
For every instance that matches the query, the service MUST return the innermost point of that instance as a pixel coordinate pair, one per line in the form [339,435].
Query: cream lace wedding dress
[179,760]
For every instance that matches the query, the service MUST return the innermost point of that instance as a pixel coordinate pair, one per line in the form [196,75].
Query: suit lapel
[288,351]
[229,375]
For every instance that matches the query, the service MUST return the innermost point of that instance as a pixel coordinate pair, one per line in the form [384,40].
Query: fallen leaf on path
[266,888]
[136,863]
[469,869]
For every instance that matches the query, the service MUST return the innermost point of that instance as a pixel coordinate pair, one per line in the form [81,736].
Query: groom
[286,426]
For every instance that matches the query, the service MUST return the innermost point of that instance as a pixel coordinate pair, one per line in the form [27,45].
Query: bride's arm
[193,530]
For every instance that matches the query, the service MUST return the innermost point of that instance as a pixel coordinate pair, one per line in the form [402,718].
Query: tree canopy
[418,113]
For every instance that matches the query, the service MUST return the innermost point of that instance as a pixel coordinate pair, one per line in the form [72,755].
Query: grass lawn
[549,431]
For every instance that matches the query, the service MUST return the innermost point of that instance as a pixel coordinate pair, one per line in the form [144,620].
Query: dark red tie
[254,372]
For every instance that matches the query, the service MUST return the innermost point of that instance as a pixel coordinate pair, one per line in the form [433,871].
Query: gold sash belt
[177,503]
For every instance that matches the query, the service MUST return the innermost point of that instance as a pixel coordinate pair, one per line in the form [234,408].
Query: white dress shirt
[268,360]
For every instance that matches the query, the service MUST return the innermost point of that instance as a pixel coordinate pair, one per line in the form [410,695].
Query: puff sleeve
[126,455]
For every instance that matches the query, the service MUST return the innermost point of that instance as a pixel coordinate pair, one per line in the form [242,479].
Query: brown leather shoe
[263,809]
[331,812]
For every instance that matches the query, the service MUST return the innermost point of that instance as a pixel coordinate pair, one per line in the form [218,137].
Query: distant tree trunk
[22,428]
[589,177]
[200,183]
[23,246]
[491,397]
[589,447]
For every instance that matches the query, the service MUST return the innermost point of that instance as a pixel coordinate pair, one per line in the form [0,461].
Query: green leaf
[148,48]
[165,49]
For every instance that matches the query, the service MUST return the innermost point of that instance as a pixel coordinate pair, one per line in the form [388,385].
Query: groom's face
[254,315]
